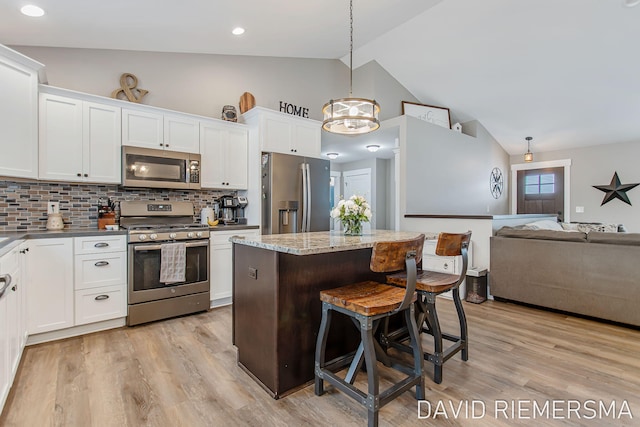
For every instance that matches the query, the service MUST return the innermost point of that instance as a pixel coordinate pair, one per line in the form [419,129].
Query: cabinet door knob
[86,175]
[101,263]
[161,144]
[101,297]
[166,145]
[79,174]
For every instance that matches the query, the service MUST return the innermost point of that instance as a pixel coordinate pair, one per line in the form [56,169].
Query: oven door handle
[158,247]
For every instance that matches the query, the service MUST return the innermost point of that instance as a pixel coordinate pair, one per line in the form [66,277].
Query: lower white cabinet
[12,320]
[222,262]
[50,290]
[75,281]
[100,278]
[98,304]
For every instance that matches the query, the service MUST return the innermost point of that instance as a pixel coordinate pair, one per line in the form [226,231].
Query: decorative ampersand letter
[129,90]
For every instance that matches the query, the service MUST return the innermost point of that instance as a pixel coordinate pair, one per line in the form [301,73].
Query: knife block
[108,218]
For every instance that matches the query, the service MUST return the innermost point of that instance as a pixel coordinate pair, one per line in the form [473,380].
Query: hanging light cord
[351,49]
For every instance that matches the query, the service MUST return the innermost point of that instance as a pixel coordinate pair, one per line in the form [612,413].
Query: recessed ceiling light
[630,3]
[237,31]
[373,148]
[32,10]
[332,155]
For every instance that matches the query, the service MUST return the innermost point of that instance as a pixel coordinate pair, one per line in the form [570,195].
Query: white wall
[447,172]
[595,166]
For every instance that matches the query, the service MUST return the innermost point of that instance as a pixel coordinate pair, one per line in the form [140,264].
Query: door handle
[6,278]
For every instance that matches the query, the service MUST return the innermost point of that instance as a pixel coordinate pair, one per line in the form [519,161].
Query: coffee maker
[232,209]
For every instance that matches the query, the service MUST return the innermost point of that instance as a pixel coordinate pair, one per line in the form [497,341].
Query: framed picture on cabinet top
[429,113]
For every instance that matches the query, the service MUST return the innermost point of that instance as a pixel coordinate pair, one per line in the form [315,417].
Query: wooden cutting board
[247,102]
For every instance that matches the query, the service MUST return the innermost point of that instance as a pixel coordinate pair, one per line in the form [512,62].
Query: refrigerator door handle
[309,197]
[305,197]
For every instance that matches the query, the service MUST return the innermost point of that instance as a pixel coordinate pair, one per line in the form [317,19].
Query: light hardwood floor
[183,372]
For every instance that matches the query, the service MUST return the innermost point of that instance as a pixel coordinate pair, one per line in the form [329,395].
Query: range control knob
[142,237]
[153,236]
[172,235]
[199,234]
[190,234]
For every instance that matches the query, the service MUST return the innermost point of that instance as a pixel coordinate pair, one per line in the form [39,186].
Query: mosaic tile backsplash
[23,205]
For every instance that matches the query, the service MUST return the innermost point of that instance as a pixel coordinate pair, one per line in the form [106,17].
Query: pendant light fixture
[528,156]
[351,116]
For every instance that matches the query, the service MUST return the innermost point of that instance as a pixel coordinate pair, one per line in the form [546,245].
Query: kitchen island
[276,305]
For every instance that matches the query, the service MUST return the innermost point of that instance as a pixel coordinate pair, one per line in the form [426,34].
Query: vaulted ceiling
[565,72]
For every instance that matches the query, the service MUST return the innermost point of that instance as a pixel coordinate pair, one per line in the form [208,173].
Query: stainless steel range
[155,229]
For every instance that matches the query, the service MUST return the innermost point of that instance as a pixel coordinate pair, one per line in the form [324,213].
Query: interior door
[541,191]
[358,182]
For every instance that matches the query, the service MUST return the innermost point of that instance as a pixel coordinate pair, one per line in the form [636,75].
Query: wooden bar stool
[367,303]
[430,284]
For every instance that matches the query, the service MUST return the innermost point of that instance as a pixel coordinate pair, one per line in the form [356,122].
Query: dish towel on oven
[173,260]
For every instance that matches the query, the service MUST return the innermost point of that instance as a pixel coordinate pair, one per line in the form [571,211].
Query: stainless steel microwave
[146,167]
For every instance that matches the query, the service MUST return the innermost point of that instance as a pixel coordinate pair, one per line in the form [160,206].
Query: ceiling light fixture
[373,148]
[237,31]
[528,156]
[32,10]
[630,3]
[351,116]
[332,156]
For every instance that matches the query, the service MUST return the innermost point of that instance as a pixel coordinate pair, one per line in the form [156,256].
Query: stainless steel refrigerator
[295,194]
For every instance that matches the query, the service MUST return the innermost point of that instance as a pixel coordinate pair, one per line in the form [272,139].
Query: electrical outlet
[53,207]
[579,209]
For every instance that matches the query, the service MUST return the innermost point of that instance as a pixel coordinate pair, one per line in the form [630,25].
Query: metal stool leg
[321,345]
[373,402]
[463,325]
[414,335]
[432,319]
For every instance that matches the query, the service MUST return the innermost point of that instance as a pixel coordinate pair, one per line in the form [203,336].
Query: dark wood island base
[277,310]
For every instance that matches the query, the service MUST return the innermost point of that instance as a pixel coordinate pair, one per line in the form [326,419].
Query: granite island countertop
[325,241]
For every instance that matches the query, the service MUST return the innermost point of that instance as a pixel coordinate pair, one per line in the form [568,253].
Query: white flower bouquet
[352,213]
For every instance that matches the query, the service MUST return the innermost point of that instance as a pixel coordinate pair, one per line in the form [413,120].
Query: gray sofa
[594,274]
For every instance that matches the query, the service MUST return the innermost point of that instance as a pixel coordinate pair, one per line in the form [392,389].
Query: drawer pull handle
[101,263]
[446,266]
[101,297]
[101,245]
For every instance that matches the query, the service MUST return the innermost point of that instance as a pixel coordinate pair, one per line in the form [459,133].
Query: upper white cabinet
[79,140]
[19,112]
[224,151]
[150,129]
[283,133]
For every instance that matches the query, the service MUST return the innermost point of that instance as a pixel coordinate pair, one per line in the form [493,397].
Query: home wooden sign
[294,110]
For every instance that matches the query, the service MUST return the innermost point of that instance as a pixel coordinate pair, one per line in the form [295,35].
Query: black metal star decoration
[615,190]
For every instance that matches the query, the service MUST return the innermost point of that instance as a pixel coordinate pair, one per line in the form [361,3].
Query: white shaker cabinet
[147,128]
[19,112]
[50,292]
[221,250]
[284,133]
[100,265]
[79,140]
[12,320]
[224,151]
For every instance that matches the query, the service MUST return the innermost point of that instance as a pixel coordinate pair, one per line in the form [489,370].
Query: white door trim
[565,163]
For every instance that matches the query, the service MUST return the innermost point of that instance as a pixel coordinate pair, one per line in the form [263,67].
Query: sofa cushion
[632,239]
[542,234]
[545,224]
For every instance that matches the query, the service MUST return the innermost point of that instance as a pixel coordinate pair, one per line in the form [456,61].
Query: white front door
[358,182]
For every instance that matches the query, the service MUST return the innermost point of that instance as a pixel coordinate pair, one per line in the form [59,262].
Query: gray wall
[448,172]
[197,83]
[595,166]
[380,183]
